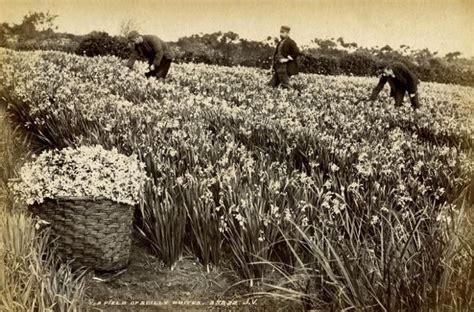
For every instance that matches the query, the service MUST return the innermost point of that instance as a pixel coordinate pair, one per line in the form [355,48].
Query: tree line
[322,56]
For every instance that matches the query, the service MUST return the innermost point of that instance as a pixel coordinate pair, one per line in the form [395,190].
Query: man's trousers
[280,76]
[399,95]
[161,71]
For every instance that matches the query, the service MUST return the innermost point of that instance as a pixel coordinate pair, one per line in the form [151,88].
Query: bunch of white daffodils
[86,171]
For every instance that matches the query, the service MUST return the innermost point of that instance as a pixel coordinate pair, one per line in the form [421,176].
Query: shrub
[323,65]
[358,64]
[101,43]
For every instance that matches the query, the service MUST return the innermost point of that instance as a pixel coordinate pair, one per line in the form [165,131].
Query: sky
[440,25]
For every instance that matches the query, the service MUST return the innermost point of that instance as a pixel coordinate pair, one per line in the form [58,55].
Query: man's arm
[379,87]
[133,57]
[294,50]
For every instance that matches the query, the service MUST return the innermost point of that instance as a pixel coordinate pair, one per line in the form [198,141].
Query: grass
[31,277]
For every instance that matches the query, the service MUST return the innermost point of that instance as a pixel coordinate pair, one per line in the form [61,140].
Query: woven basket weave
[95,233]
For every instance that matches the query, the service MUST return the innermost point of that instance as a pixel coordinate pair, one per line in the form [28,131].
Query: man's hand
[412,95]
[152,67]
[284,60]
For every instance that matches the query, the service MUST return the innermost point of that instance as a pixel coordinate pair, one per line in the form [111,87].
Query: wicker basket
[95,233]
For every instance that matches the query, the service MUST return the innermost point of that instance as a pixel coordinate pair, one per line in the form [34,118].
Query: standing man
[401,81]
[155,50]
[284,60]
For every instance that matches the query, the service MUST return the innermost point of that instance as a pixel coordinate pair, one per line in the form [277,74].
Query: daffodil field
[358,197]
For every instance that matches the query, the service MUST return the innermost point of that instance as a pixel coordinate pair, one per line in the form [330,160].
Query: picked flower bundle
[86,171]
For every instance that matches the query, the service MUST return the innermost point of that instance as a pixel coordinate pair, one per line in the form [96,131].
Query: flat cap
[132,35]
[285,28]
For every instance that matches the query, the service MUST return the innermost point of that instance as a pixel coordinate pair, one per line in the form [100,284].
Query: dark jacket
[153,49]
[403,81]
[289,48]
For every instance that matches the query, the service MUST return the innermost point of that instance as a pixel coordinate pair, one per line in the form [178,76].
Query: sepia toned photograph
[236,155]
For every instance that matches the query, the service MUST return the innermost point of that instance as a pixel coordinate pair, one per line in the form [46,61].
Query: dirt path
[188,287]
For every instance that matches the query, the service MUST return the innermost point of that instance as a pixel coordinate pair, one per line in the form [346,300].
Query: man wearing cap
[155,50]
[401,81]
[284,60]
